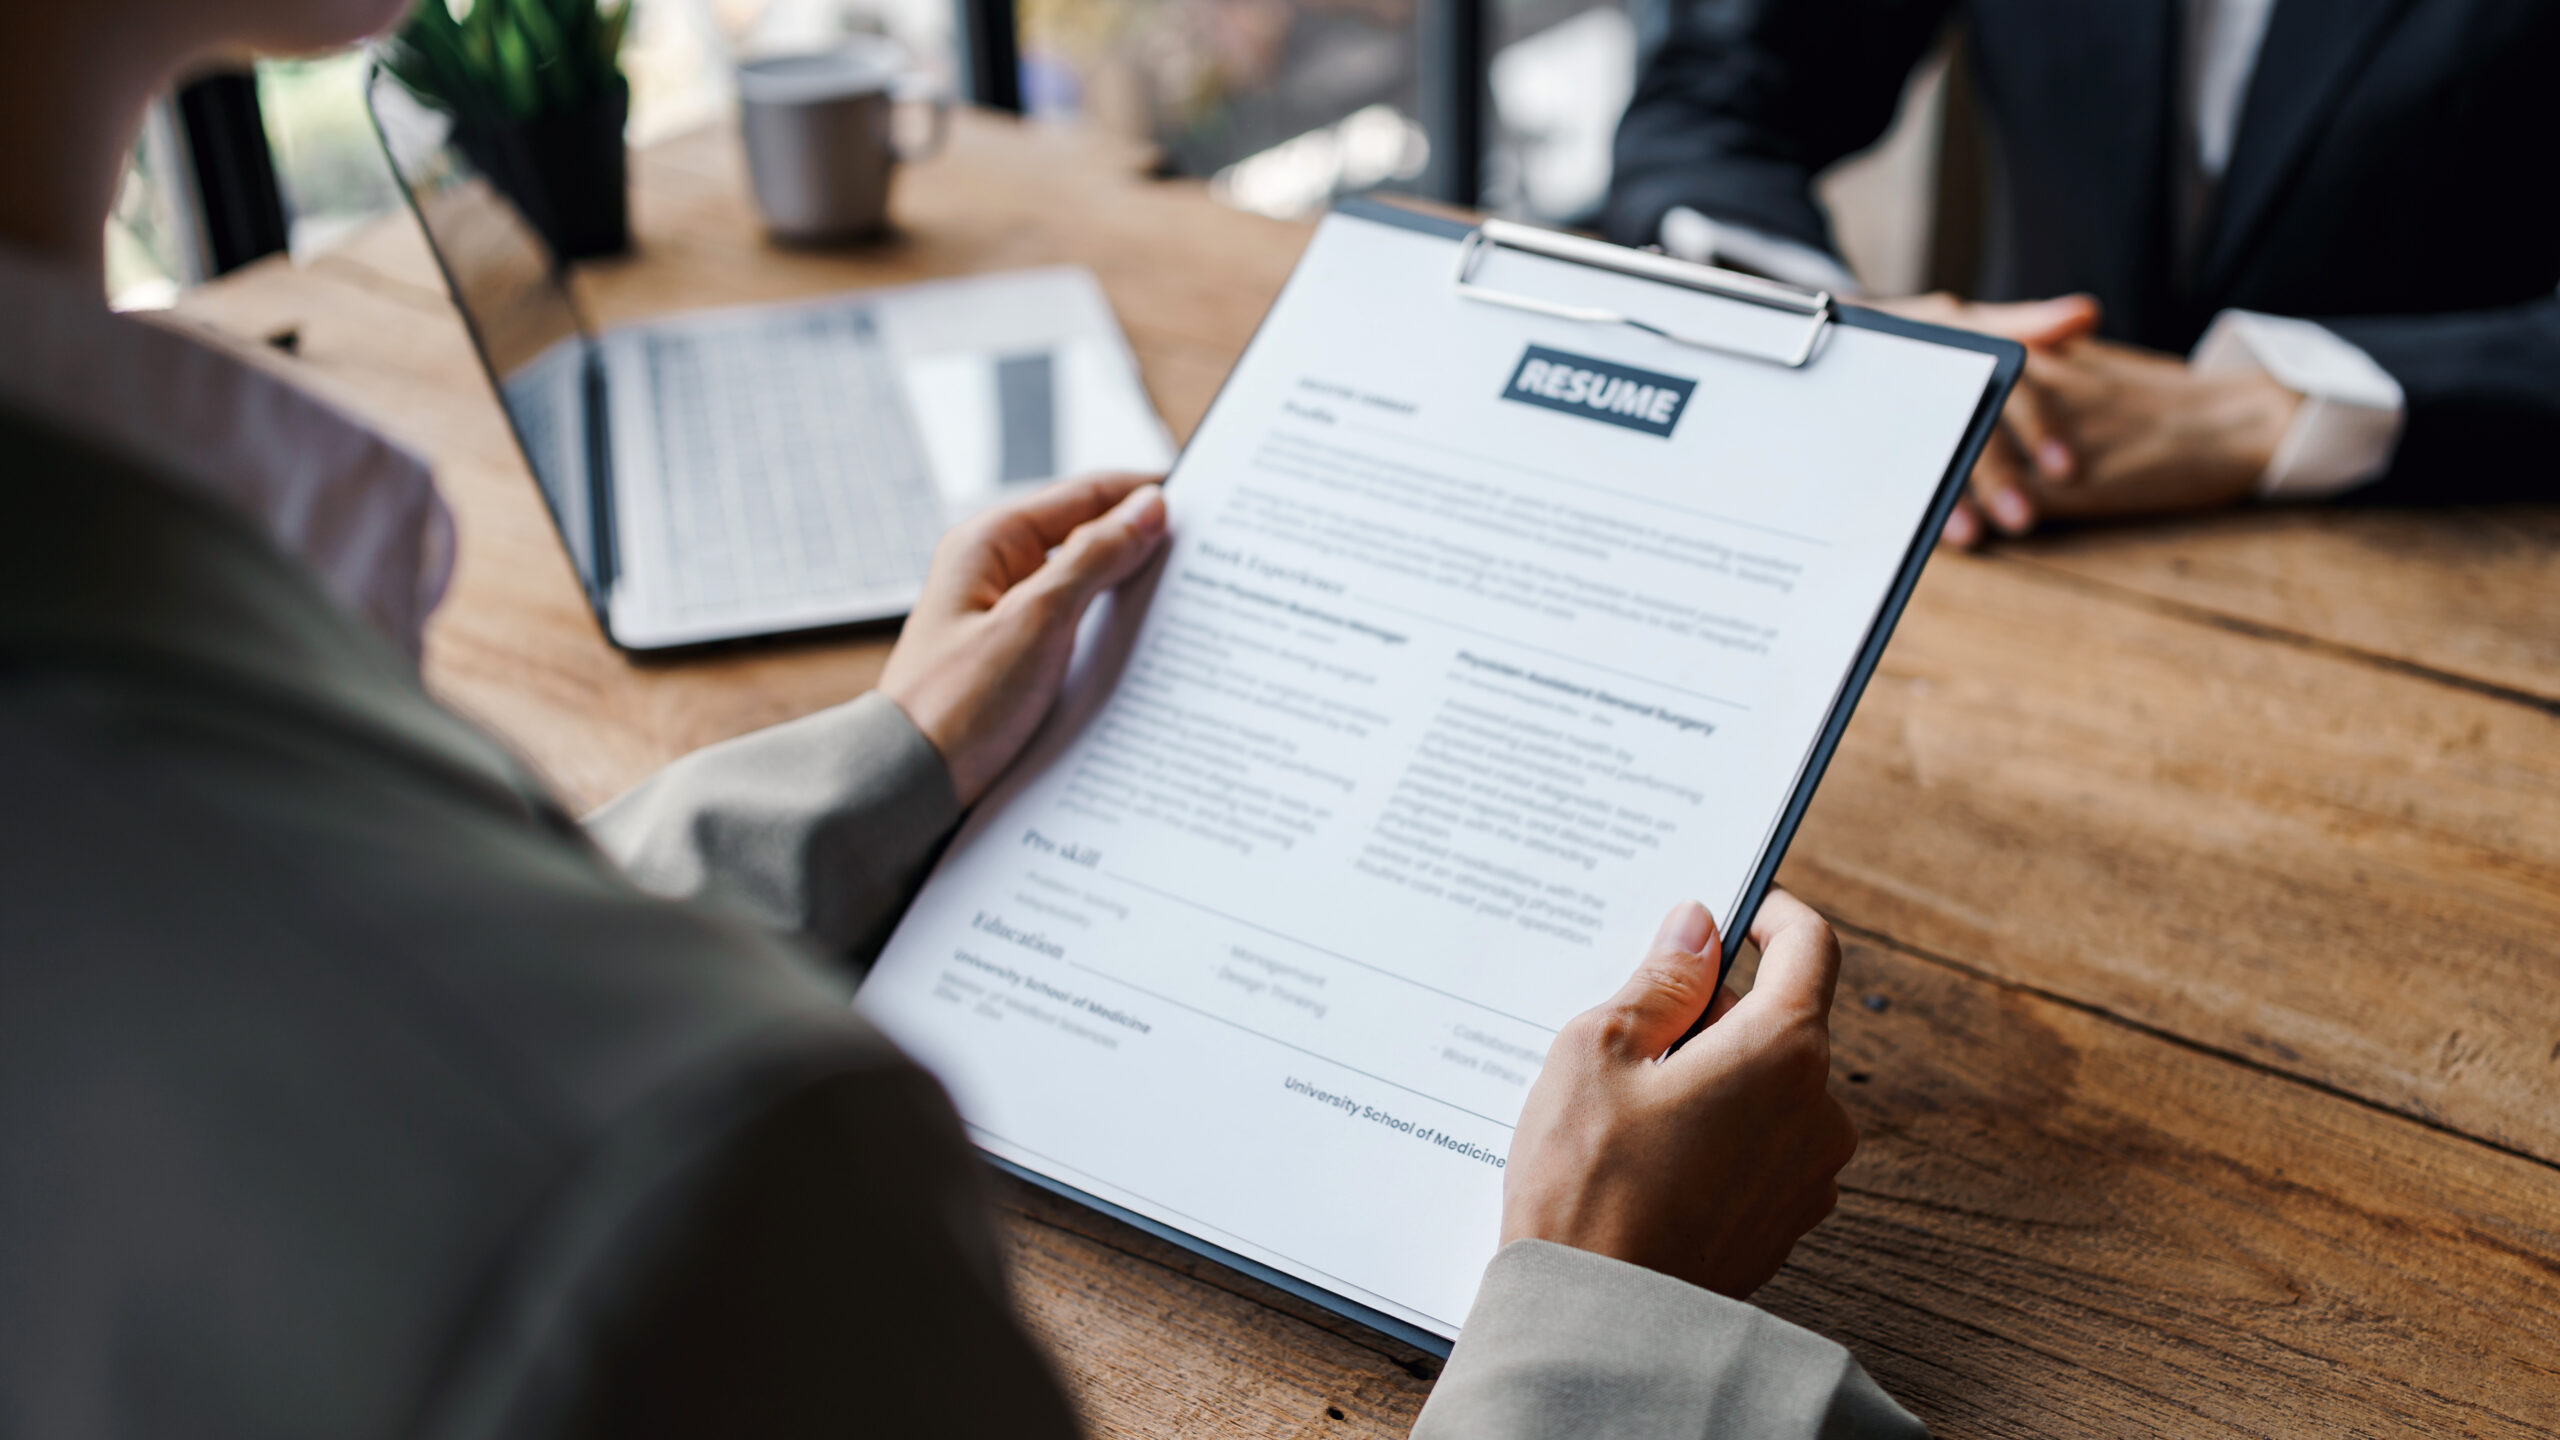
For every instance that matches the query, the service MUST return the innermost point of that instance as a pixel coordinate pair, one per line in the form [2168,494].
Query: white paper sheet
[1438,701]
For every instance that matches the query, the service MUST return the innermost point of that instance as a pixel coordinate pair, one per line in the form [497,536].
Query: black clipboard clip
[1815,305]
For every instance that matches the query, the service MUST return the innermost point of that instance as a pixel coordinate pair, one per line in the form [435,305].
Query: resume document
[1481,640]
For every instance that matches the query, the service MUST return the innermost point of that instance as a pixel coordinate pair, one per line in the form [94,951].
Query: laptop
[756,470]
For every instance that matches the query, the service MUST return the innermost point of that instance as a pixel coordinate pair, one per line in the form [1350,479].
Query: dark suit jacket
[2391,178]
[349,1087]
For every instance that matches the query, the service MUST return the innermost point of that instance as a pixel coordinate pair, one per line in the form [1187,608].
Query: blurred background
[1279,105]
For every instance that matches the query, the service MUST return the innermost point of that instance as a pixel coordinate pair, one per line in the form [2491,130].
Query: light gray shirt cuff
[822,825]
[2352,410]
[1566,1343]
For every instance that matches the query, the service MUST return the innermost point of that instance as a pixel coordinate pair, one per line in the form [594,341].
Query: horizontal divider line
[1556,655]
[1287,1045]
[1436,448]
[1329,954]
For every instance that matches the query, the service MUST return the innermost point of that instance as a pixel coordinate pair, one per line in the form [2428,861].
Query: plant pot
[566,171]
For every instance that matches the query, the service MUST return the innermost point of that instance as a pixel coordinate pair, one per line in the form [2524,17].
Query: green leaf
[512,59]
[540,29]
[430,56]
[516,80]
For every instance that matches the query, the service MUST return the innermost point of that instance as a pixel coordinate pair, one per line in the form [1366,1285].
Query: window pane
[327,162]
[1285,102]
[149,252]
[760,27]
[675,54]
[679,53]
[1562,73]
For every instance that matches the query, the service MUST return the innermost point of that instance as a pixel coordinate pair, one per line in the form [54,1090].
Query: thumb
[1672,987]
[1101,552]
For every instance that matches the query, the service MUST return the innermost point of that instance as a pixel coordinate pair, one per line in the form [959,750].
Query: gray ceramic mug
[820,142]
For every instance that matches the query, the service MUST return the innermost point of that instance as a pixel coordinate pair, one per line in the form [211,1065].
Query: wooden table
[2202,1004]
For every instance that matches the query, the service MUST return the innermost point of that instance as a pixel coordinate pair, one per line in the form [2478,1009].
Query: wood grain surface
[2205,881]
[2061,1225]
[2470,595]
[2332,868]
[2058,1224]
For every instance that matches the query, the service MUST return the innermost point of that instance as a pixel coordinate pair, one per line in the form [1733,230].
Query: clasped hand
[2098,429]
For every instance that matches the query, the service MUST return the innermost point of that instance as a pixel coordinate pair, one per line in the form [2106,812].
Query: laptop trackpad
[997,424]
[1026,417]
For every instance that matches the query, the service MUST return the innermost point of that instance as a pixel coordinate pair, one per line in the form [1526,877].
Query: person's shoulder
[253,846]
[271,988]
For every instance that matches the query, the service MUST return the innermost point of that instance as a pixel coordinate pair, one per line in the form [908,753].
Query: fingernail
[2010,509]
[1960,528]
[2054,459]
[1685,928]
[1148,516]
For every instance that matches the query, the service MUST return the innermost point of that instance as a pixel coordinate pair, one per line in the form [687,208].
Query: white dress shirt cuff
[1688,235]
[2349,423]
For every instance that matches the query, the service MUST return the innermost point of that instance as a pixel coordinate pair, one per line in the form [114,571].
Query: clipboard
[1818,310]
[1784,329]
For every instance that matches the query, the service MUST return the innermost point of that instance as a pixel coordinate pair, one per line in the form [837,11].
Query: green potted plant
[538,100]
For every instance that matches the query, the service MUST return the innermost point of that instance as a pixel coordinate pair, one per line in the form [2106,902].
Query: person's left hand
[982,654]
[2099,429]
[1710,1162]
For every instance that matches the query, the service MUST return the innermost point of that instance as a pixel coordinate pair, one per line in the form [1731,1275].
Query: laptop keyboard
[791,471]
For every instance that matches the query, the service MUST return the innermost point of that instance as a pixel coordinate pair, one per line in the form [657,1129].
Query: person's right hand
[1710,1164]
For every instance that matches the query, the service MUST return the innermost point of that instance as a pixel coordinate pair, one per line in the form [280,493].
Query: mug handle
[921,92]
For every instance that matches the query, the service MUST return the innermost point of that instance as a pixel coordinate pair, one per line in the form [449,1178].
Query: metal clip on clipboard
[1814,305]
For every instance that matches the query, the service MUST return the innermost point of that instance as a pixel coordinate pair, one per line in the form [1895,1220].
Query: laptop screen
[520,315]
